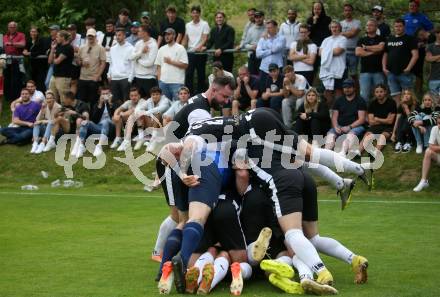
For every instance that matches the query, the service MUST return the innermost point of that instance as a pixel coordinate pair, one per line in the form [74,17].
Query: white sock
[165,229]
[246,270]
[303,270]
[140,133]
[221,266]
[117,138]
[35,142]
[201,262]
[52,138]
[325,173]
[332,247]
[284,259]
[331,159]
[251,260]
[304,249]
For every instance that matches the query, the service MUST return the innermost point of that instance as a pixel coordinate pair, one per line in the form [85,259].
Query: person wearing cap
[196,36]
[92,60]
[290,28]
[171,62]
[134,30]
[350,30]
[145,20]
[120,73]
[253,35]
[172,21]
[90,23]
[143,56]
[415,19]
[433,57]
[273,89]
[123,21]
[222,37]
[370,50]
[401,54]
[348,118]
[53,31]
[270,49]
[383,29]
[61,55]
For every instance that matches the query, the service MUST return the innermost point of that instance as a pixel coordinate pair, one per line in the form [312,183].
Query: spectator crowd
[325,77]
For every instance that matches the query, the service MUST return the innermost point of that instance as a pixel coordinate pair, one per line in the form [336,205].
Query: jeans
[273,102]
[368,81]
[352,63]
[18,135]
[103,128]
[287,109]
[434,86]
[399,82]
[422,139]
[358,131]
[170,90]
[42,130]
[48,76]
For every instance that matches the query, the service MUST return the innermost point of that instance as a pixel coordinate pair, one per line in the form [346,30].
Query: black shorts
[310,199]
[171,184]
[223,226]
[379,129]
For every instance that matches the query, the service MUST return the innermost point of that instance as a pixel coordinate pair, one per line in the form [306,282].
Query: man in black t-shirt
[172,21]
[273,89]
[245,95]
[383,29]
[433,57]
[348,118]
[400,56]
[61,55]
[370,49]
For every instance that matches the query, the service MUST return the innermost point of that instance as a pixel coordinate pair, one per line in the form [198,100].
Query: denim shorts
[352,63]
[399,82]
[358,131]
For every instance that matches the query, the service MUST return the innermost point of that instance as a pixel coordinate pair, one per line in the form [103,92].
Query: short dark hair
[273,22]
[134,89]
[349,5]
[224,81]
[399,20]
[119,29]
[196,8]
[31,82]
[104,87]
[24,89]
[252,9]
[124,11]
[155,89]
[171,8]
[220,12]
[90,22]
[304,26]
[146,28]
[109,21]
[69,95]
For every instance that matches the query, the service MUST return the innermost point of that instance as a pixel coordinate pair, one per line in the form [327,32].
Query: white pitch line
[161,196]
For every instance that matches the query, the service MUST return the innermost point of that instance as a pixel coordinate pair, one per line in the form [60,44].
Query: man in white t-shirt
[432,153]
[171,62]
[196,36]
[294,88]
[350,30]
[303,54]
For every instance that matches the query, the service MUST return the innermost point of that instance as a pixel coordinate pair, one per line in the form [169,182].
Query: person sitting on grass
[245,95]
[43,125]
[176,106]
[432,153]
[273,89]
[381,115]
[402,133]
[36,96]
[422,119]
[24,119]
[146,114]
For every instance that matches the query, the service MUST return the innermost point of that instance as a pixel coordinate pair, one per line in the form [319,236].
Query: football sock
[251,260]
[164,231]
[221,266]
[325,173]
[331,159]
[192,234]
[303,270]
[201,262]
[140,133]
[172,246]
[285,259]
[333,248]
[246,270]
[304,249]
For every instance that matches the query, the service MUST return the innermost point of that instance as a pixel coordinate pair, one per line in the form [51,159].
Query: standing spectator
[423,38]
[61,55]
[381,115]
[270,49]
[171,62]
[144,55]
[53,32]
[333,63]
[172,21]
[303,54]
[196,36]
[370,49]
[176,106]
[273,94]
[313,116]
[290,28]
[415,19]
[100,122]
[145,20]
[422,119]
[294,88]
[14,42]
[432,153]
[24,118]
[91,59]
[76,39]
[433,57]
[2,67]
[222,37]
[108,41]
[251,21]
[350,30]
[402,133]
[90,23]
[348,118]
[245,95]
[319,23]
[36,49]
[253,35]
[383,29]
[120,73]
[75,42]
[123,21]
[134,30]
[42,130]
[400,56]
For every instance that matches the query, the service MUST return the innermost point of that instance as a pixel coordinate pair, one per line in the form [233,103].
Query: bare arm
[412,62]
[338,51]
